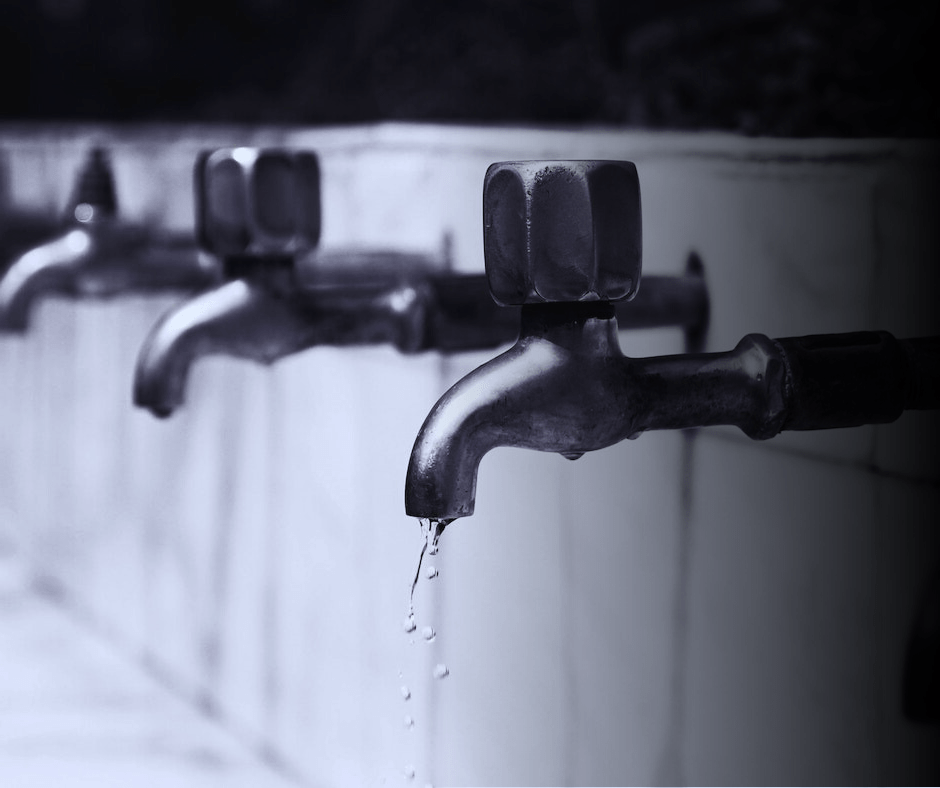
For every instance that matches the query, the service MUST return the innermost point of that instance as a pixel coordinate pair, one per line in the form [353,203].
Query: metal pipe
[464,316]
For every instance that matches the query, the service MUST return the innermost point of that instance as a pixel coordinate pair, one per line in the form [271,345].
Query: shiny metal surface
[556,231]
[96,254]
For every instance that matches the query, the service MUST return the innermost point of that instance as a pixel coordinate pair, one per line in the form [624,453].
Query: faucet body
[95,253]
[258,214]
[261,314]
[566,387]
[100,260]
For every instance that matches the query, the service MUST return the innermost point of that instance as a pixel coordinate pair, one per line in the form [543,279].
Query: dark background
[768,67]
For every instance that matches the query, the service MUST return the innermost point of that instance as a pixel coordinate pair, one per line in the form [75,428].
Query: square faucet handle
[257,202]
[562,231]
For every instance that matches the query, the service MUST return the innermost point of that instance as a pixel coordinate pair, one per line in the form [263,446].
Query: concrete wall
[674,609]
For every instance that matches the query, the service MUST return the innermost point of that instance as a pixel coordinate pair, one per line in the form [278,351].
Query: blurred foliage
[770,67]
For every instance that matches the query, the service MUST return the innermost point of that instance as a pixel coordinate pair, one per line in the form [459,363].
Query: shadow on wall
[766,67]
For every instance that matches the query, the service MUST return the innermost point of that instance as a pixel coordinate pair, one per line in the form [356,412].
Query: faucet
[94,253]
[563,241]
[258,211]
[20,228]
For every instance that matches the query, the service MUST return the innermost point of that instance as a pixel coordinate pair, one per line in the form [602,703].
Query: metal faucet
[20,228]
[562,239]
[258,211]
[97,254]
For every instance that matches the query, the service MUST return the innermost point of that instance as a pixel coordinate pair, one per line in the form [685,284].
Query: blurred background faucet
[95,253]
[562,239]
[258,212]
[20,228]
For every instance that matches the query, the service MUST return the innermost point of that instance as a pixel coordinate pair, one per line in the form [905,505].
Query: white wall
[609,621]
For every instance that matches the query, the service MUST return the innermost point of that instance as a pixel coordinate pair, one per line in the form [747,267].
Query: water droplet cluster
[431,530]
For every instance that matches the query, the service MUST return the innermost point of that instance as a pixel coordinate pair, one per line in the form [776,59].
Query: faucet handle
[257,201]
[94,195]
[562,231]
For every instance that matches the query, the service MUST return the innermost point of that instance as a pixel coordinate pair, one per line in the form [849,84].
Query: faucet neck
[587,327]
[275,274]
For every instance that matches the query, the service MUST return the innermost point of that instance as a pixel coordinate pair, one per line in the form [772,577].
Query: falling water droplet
[405,692]
[571,455]
[410,772]
[441,671]
[408,721]
[409,623]
[428,634]
[431,573]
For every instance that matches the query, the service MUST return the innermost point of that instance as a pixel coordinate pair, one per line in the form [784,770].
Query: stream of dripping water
[431,529]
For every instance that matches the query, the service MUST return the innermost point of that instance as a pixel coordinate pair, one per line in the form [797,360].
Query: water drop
[410,772]
[571,455]
[408,721]
[633,436]
[433,528]
[405,692]
[441,671]
[409,623]
[431,573]
[428,633]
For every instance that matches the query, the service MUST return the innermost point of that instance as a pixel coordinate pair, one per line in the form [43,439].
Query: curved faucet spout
[101,259]
[545,393]
[95,253]
[47,268]
[239,318]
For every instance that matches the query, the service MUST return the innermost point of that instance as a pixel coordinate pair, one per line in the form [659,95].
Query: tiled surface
[73,712]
